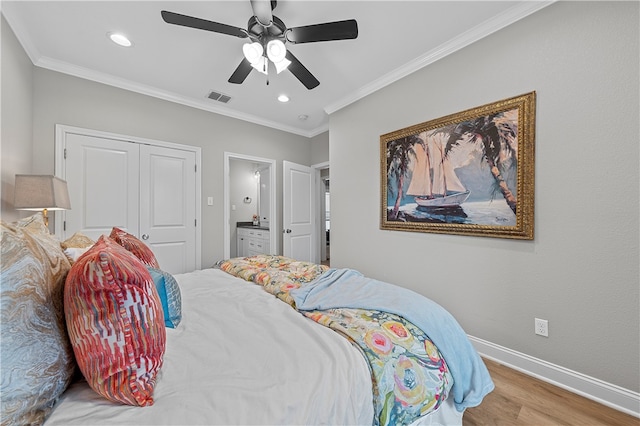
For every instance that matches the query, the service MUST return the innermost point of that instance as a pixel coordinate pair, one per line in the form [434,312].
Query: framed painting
[469,173]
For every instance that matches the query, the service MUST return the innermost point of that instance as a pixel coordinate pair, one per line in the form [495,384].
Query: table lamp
[41,192]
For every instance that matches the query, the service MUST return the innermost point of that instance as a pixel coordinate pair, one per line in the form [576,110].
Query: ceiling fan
[268,35]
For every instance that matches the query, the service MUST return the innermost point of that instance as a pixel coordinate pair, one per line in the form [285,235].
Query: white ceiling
[183,65]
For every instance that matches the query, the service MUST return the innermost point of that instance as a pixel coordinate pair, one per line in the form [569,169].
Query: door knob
[145,236]
[288,231]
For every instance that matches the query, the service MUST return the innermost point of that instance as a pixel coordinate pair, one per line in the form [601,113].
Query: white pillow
[73,253]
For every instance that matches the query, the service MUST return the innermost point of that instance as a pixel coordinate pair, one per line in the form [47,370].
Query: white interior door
[298,212]
[167,206]
[103,180]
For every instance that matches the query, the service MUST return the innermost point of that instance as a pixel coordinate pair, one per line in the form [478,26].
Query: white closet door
[103,181]
[167,206]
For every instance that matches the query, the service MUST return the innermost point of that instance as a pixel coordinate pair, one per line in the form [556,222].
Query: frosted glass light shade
[261,65]
[276,51]
[282,65]
[253,52]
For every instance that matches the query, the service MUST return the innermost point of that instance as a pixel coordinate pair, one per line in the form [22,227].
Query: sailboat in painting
[434,183]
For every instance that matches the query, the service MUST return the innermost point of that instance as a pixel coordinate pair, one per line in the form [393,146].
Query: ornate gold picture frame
[469,173]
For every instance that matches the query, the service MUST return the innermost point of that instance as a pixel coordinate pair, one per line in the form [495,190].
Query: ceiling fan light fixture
[276,51]
[253,52]
[261,65]
[282,65]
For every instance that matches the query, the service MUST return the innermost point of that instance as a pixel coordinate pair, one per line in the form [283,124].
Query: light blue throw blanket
[347,288]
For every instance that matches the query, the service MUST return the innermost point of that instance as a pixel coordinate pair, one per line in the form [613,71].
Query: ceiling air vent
[219,97]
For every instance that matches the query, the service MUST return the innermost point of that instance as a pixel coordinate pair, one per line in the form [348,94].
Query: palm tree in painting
[399,154]
[497,135]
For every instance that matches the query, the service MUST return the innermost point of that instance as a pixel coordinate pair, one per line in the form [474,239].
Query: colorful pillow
[37,358]
[170,296]
[115,323]
[135,246]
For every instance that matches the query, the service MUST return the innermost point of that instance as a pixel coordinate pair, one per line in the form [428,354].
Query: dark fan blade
[262,12]
[301,73]
[339,30]
[241,73]
[202,24]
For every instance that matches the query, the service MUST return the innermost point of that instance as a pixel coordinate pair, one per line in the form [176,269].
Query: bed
[258,340]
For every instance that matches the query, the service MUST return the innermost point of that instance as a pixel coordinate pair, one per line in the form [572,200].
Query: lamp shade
[38,192]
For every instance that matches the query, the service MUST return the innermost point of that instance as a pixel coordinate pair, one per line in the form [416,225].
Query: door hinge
[195,168]
[64,225]
[65,153]
[195,222]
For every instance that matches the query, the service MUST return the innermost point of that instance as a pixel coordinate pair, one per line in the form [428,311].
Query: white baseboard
[605,393]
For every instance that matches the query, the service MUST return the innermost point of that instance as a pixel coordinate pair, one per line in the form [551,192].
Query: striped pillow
[115,323]
[169,293]
[135,246]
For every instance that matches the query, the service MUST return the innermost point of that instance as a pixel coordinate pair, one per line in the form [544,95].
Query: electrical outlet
[542,327]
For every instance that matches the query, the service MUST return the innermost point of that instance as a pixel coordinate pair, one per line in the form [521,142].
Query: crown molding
[88,74]
[506,18]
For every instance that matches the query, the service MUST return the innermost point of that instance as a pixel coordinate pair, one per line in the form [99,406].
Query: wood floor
[519,399]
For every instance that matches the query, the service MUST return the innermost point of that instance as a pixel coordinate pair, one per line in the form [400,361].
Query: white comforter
[240,356]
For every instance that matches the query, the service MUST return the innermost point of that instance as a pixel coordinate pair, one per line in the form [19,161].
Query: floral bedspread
[410,377]
[277,274]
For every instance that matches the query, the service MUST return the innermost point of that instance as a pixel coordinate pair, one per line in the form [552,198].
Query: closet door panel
[103,181]
[167,206]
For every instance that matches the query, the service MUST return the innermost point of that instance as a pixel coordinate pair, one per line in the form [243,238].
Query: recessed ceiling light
[303,117]
[120,39]
[283,98]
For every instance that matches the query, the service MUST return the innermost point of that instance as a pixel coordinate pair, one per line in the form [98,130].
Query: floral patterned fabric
[410,377]
[277,274]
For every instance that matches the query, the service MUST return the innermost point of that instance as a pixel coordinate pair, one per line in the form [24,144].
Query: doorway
[266,171]
[323,216]
[325,212]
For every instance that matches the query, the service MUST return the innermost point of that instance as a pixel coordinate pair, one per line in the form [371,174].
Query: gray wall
[582,270]
[17,111]
[320,148]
